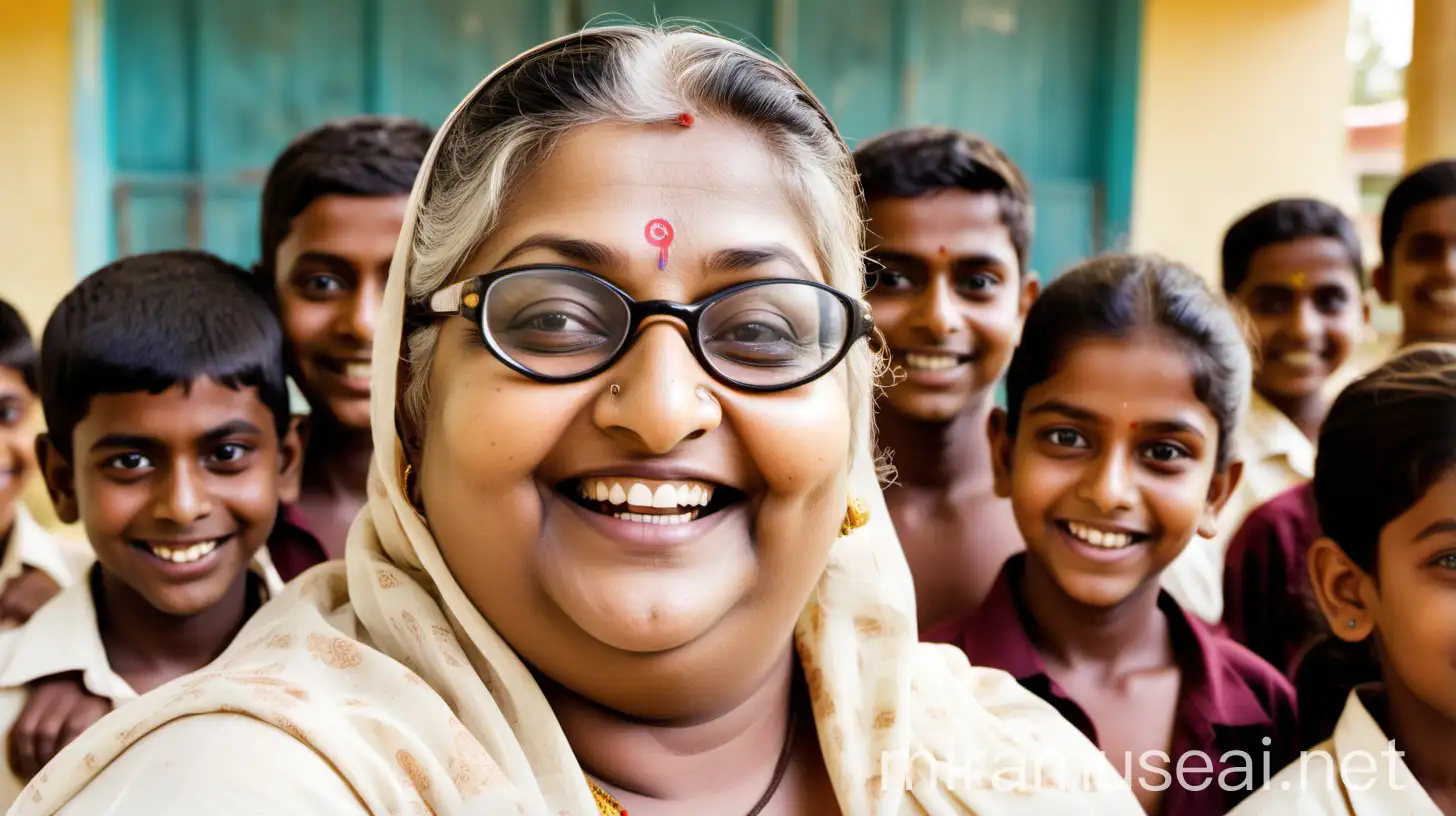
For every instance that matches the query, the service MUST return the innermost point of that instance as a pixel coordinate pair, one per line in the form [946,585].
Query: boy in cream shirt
[1294,266]
[34,564]
[170,440]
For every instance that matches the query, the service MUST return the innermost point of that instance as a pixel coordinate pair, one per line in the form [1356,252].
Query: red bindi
[942,252]
[685,119]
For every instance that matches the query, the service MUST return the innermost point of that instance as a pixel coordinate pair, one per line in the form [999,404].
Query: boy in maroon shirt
[1266,603]
[333,206]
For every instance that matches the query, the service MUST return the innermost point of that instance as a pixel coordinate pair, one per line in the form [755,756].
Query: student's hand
[24,594]
[56,711]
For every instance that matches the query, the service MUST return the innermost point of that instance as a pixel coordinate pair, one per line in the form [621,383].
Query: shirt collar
[996,635]
[263,566]
[31,546]
[1269,434]
[1379,781]
[1212,684]
[64,636]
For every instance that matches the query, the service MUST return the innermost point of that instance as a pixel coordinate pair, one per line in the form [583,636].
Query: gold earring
[855,517]
[406,485]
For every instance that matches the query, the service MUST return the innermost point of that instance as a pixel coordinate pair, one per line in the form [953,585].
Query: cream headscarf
[386,670]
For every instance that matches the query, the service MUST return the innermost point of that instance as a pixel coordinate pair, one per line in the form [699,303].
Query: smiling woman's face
[616,607]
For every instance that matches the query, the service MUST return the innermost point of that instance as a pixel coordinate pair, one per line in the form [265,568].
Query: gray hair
[627,75]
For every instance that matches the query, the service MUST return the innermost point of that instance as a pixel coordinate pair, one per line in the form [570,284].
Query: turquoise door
[1053,82]
[203,93]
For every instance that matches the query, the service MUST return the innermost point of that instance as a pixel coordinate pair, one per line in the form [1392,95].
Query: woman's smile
[651,508]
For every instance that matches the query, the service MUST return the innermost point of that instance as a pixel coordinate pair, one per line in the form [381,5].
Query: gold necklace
[607,805]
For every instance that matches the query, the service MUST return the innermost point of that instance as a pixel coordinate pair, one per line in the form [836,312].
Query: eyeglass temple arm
[447,301]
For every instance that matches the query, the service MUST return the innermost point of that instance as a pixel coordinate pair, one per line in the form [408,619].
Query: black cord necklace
[607,805]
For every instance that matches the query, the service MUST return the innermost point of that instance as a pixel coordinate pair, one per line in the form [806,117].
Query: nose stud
[705,395]
[616,390]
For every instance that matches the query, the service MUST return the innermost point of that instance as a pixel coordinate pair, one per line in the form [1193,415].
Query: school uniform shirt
[1229,699]
[64,636]
[1356,772]
[293,547]
[1265,578]
[31,546]
[1277,456]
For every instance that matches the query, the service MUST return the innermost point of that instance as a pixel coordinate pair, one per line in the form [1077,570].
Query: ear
[1345,593]
[1380,278]
[1030,288]
[60,479]
[1220,489]
[1003,445]
[290,459]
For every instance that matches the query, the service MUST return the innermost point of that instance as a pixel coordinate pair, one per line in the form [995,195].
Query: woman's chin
[655,612]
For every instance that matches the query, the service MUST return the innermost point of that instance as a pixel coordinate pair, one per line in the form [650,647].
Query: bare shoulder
[221,763]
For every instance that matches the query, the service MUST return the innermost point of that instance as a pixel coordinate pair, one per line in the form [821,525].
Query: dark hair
[1282,220]
[919,161]
[17,349]
[1118,295]
[1388,438]
[1424,184]
[366,156]
[149,322]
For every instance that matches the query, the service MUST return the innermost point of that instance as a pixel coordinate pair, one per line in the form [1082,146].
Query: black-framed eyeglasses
[560,324]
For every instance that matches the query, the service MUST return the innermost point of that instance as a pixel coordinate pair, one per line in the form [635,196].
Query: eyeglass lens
[559,323]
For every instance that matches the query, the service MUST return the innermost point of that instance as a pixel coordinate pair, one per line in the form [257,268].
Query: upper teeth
[1443,297]
[931,362]
[183,555]
[661,495]
[1099,538]
[356,371]
[1299,358]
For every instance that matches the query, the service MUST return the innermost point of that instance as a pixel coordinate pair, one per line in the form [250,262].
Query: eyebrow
[981,258]
[1157,426]
[1170,426]
[1066,409]
[586,253]
[884,257]
[236,427]
[111,441]
[976,257]
[1447,525]
[329,259]
[739,259]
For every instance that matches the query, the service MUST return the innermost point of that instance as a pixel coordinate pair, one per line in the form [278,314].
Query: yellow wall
[37,198]
[1241,101]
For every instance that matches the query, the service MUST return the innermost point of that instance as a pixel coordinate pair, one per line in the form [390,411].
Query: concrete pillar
[1431,84]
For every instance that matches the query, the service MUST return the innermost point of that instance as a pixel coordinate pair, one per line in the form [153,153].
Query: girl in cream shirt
[1385,579]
